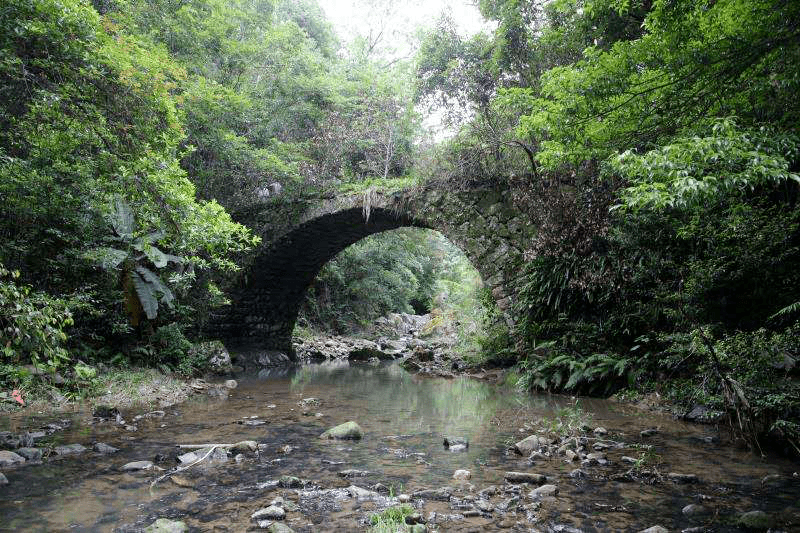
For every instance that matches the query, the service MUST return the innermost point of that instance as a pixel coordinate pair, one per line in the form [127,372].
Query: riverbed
[404,418]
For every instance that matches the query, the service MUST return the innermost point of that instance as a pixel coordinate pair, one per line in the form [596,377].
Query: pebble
[462,474]
[350,473]
[403,498]
[277,527]
[571,456]
[694,509]
[136,465]
[102,447]
[544,491]
[188,457]
[578,474]
[524,477]
[682,478]
[273,512]
[290,482]
[245,446]
[655,529]
[455,441]
[164,525]
[600,431]
[231,384]
[69,449]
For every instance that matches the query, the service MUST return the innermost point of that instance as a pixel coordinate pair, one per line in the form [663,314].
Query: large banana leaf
[122,218]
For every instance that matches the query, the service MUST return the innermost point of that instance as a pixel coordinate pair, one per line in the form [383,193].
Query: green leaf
[146,294]
[157,285]
[107,258]
[122,218]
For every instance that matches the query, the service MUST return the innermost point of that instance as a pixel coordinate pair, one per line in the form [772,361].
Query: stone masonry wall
[299,238]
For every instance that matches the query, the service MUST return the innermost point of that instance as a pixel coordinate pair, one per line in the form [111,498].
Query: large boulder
[530,444]
[347,431]
[215,353]
[10,458]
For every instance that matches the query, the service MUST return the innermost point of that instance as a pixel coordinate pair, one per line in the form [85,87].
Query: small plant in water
[391,520]
[568,421]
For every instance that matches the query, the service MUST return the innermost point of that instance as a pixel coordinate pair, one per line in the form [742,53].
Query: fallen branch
[200,446]
[182,468]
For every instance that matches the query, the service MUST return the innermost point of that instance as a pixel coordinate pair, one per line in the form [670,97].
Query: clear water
[404,418]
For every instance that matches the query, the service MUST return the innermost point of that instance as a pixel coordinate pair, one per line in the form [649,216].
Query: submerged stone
[69,449]
[102,447]
[525,477]
[544,491]
[164,525]
[462,474]
[347,431]
[137,465]
[31,454]
[756,520]
[273,512]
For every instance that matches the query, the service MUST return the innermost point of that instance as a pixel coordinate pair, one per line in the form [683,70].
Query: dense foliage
[127,131]
[655,147]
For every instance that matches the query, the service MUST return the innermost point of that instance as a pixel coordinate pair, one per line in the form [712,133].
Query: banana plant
[137,259]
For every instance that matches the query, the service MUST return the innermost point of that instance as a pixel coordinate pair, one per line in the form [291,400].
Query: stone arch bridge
[300,236]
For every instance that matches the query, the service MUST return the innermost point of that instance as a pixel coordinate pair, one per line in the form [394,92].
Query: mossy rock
[755,521]
[347,431]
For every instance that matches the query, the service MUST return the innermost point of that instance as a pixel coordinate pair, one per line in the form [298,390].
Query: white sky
[399,20]
[400,17]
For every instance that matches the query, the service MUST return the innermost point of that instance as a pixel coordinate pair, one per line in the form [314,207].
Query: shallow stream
[404,418]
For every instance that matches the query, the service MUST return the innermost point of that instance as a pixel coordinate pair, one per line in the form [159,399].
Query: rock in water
[245,446]
[164,525]
[102,447]
[544,491]
[347,431]
[529,444]
[10,458]
[462,474]
[273,512]
[31,454]
[277,527]
[525,477]
[137,465]
[458,443]
[69,449]
[3,479]
[758,520]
